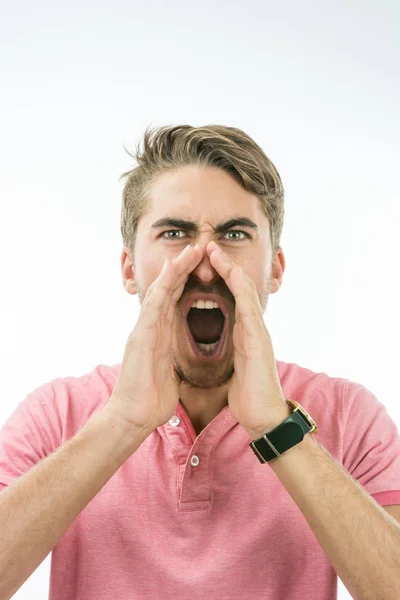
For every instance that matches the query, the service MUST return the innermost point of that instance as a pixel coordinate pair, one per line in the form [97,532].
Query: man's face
[207,198]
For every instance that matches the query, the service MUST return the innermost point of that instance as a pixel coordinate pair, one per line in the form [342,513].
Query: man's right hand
[146,392]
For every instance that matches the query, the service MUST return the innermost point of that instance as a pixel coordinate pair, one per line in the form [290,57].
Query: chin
[203,376]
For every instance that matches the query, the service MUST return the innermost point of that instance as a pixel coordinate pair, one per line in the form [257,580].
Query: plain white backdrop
[317,86]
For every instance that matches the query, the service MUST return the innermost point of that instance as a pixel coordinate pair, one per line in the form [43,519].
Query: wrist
[276,419]
[125,437]
[127,428]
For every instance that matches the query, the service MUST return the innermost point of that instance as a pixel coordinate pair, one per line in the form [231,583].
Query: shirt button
[174,421]
[194,461]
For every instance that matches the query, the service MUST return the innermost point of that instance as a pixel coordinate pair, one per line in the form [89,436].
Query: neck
[203,405]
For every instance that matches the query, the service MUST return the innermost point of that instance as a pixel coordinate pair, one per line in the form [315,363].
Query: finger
[248,307]
[246,310]
[183,265]
[225,266]
[159,296]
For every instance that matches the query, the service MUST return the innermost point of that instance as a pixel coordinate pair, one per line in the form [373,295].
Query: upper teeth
[205,304]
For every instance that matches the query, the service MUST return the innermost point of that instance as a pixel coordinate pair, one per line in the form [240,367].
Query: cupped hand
[146,392]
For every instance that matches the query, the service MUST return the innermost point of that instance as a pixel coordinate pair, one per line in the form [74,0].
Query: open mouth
[206,328]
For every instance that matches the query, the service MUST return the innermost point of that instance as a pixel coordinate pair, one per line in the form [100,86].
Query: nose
[205,272]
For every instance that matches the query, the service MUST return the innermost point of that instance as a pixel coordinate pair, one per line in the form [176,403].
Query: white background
[317,86]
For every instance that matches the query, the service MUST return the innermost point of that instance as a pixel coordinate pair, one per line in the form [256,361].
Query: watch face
[314,428]
[300,409]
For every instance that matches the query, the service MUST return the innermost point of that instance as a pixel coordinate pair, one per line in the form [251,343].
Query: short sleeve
[30,434]
[371,444]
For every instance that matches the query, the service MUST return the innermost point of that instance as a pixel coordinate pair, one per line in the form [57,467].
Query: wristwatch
[286,435]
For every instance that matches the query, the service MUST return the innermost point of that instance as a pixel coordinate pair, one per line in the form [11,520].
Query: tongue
[206,324]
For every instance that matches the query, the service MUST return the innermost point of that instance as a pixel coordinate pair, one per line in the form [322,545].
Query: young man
[149,479]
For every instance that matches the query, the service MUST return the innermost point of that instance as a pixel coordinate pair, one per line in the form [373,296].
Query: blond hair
[217,146]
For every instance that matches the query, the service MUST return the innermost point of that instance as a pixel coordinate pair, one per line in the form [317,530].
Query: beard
[200,375]
[204,378]
[209,375]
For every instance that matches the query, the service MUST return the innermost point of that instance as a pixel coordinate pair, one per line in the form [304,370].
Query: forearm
[361,540]
[38,508]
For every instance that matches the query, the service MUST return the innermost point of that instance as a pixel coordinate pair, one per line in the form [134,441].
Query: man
[201,467]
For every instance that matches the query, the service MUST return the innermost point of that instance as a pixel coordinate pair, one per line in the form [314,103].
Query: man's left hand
[255,396]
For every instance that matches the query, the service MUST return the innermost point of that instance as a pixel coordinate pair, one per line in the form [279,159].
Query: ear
[127,269]
[277,270]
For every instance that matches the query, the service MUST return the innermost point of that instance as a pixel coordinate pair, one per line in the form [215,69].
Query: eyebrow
[191,226]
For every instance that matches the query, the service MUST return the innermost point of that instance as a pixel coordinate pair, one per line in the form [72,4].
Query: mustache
[221,289]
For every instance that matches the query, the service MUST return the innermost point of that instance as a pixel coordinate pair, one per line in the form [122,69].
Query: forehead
[201,194]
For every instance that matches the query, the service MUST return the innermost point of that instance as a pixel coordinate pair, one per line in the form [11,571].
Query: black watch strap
[284,436]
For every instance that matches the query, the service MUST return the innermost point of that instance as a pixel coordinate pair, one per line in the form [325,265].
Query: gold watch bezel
[295,406]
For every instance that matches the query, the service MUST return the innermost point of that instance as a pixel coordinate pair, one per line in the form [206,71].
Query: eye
[246,235]
[169,235]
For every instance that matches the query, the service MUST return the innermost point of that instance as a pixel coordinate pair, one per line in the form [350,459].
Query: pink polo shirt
[199,517]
